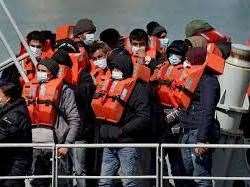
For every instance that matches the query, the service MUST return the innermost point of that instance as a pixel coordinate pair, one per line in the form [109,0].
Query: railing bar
[106,145]
[107,177]
[26,177]
[205,178]
[224,146]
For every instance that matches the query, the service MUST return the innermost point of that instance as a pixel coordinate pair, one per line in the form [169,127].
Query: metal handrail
[222,146]
[159,157]
[156,176]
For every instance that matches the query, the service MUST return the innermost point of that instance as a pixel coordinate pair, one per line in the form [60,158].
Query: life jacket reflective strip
[214,36]
[111,97]
[79,61]
[42,101]
[64,32]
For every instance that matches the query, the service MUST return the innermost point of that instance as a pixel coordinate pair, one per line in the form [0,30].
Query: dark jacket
[134,125]
[15,127]
[201,113]
[84,93]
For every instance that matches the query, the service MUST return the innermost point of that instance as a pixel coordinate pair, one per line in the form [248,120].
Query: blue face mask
[174,59]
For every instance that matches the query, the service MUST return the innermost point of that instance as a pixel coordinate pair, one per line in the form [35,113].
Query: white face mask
[117,75]
[174,59]
[101,63]
[42,76]
[135,49]
[164,42]
[89,39]
[36,51]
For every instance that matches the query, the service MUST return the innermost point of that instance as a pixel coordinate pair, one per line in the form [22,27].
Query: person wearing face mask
[55,119]
[126,120]
[15,127]
[167,129]
[160,32]
[35,41]
[84,33]
[98,59]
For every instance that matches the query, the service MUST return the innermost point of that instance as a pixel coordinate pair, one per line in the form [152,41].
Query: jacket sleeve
[139,102]
[71,114]
[209,97]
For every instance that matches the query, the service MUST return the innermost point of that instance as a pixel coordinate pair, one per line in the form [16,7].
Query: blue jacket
[201,113]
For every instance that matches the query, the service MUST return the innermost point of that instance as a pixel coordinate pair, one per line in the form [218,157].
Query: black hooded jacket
[134,125]
[84,93]
[15,127]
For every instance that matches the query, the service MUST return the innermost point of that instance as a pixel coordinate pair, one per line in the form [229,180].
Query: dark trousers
[42,165]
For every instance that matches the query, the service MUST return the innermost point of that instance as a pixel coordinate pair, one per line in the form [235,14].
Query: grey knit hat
[51,64]
[195,26]
[84,25]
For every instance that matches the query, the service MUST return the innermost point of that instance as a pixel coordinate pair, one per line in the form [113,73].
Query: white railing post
[13,56]
[53,166]
[157,165]
[56,169]
[161,165]
[8,14]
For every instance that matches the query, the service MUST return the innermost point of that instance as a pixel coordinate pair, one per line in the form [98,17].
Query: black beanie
[51,64]
[62,58]
[178,47]
[84,25]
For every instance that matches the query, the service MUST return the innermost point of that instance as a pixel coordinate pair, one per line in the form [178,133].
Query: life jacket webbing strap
[117,98]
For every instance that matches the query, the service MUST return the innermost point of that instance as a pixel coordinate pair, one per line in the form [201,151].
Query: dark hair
[111,37]
[62,58]
[10,89]
[139,35]
[67,45]
[35,35]
[49,35]
[98,45]
[151,26]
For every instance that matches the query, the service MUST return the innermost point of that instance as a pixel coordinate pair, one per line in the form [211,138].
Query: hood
[122,61]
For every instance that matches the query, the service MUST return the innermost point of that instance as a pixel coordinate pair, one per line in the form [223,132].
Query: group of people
[140,88]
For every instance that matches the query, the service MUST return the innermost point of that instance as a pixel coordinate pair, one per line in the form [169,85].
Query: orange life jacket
[110,98]
[214,36]
[48,51]
[141,71]
[177,84]
[42,101]
[98,73]
[64,32]
[79,61]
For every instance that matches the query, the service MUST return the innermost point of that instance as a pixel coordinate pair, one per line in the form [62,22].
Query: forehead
[35,42]
[42,67]
[163,35]
[98,53]
[138,42]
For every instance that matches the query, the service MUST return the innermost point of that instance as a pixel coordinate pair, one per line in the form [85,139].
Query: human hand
[200,151]
[62,152]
